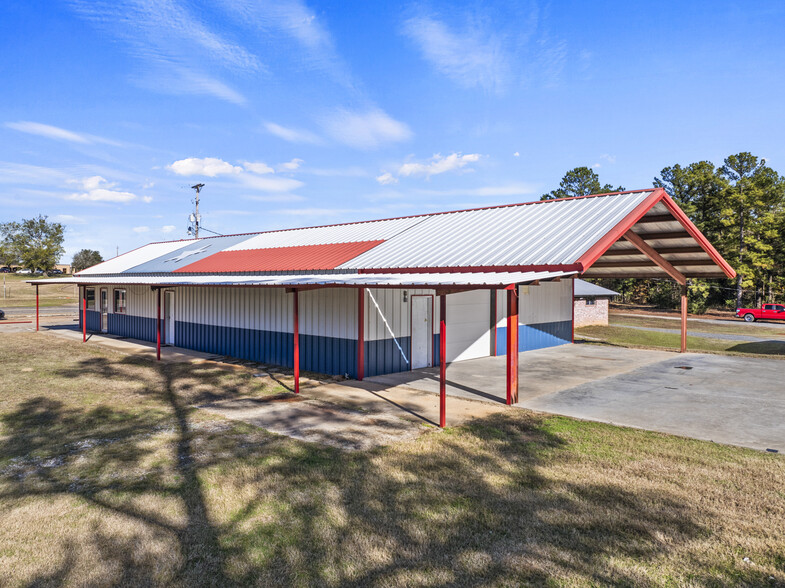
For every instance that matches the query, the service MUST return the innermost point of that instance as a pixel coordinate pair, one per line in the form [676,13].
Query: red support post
[296,361]
[36,307]
[158,328]
[360,333]
[442,360]
[683,318]
[512,346]
[84,314]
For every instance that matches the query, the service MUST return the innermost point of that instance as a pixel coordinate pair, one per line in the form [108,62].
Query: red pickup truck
[767,312]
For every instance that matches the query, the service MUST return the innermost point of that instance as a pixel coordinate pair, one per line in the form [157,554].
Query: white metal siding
[468,325]
[549,302]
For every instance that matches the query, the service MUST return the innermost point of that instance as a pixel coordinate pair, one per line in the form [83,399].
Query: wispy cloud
[168,228]
[97,189]
[512,189]
[295,21]
[290,166]
[142,229]
[472,57]
[365,130]
[438,164]
[292,135]
[57,133]
[175,47]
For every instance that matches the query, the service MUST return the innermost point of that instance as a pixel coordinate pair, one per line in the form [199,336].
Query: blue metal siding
[93,320]
[325,355]
[135,327]
[383,357]
[537,336]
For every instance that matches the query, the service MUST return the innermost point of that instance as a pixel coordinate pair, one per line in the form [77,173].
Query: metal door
[422,331]
[104,310]
[169,317]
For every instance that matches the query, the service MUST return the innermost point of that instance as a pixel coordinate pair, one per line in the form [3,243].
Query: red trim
[457,269]
[512,347]
[411,330]
[494,320]
[684,318]
[360,333]
[595,251]
[296,358]
[698,236]
[443,361]
[36,307]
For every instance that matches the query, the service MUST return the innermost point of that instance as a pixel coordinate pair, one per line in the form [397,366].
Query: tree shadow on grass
[773,347]
[477,505]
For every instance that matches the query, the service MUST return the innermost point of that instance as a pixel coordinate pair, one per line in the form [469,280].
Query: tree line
[739,206]
[37,244]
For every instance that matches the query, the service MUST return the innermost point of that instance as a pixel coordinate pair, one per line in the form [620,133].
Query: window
[89,295]
[119,301]
[590,302]
[769,307]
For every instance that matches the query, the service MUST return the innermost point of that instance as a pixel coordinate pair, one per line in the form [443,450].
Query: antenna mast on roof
[194,218]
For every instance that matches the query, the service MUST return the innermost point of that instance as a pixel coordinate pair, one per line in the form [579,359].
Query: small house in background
[591,303]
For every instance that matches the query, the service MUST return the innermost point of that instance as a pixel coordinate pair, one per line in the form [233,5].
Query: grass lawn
[737,327]
[618,335]
[19,293]
[110,475]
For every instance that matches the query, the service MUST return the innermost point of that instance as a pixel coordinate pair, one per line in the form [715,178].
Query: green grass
[738,327]
[625,337]
[111,475]
[18,293]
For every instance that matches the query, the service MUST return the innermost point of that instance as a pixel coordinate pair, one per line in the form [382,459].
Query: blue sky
[295,113]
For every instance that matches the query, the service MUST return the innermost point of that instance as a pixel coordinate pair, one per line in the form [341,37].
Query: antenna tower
[195,218]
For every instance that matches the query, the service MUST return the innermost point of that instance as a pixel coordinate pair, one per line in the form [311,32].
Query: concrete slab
[739,401]
[543,371]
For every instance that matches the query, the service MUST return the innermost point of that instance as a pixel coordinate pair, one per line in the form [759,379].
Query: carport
[505,250]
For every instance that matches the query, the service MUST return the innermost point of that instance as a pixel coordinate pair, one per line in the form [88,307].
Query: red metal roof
[299,258]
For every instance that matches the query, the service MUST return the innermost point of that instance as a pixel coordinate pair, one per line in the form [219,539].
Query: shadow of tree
[772,347]
[471,506]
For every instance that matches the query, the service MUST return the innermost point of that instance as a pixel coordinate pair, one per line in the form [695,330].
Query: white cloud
[168,228]
[438,165]
[258,167]
[513,189]
[290,165]
[174,46]
[292,135]
[141,229]
[207,166]
[270,184]
[609,158]
[57,133]
[147,199]
[69,219]
[516,154]
[386,179]
[365,130]
[472,57]
[97,189]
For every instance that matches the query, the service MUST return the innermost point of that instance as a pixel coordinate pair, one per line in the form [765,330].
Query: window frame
[91,303]
[123,308]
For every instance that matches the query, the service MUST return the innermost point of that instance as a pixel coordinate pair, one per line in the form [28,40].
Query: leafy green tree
[86,258]
[8,255]
[580,181]
[751,204]
[37,242]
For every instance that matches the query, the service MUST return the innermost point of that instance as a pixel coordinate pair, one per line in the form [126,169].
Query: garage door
[468,325]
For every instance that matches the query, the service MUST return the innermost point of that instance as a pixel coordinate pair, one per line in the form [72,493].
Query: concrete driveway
[735,400]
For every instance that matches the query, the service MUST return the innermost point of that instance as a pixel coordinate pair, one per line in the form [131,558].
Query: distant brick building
[591,304]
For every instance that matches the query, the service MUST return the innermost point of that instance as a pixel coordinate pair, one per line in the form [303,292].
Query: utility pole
[195,218]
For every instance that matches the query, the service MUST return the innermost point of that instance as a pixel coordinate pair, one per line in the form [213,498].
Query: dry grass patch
[19,293]
[110,475]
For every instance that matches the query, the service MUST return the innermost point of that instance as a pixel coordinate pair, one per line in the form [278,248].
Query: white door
[422,331]
[104,302]
[468,325]
[169,317]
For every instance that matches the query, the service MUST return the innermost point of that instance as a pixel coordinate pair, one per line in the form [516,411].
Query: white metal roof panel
[401,280]
[584,288]
[349,233]
[547,233]
[135,257]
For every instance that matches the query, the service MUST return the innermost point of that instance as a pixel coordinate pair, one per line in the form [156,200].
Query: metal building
[391,295]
